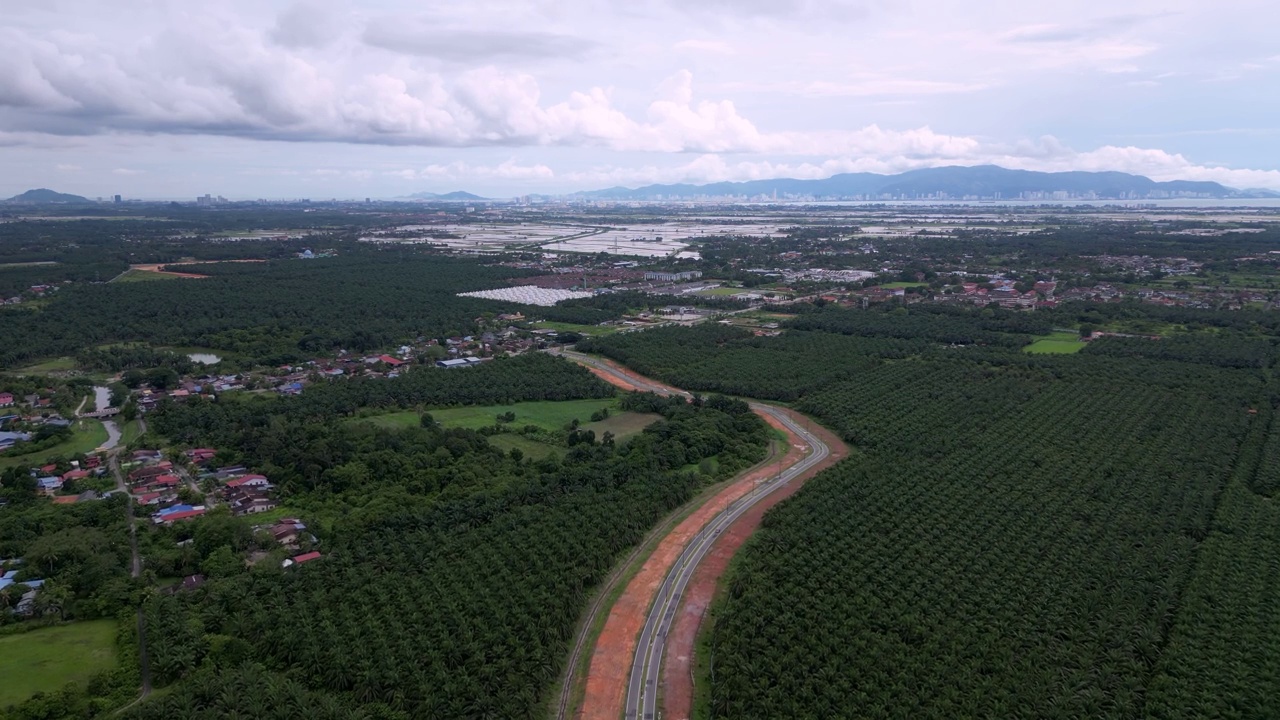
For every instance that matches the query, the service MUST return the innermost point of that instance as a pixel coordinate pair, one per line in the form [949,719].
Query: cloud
[416,37]
[1046,154]
[716,47]
[126,171]
[63,167]
[307,25]
[509,170]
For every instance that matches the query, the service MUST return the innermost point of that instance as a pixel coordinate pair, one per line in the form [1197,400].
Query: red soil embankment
[611,658]
[677,665]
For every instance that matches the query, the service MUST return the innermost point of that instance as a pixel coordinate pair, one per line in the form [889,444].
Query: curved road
[646,668]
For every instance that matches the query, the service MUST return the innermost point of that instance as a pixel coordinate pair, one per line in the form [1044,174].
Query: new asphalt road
[646,667]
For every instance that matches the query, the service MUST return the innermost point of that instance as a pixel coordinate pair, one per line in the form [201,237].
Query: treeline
[938,323]
[1221,349]
[81,551]
[114,358]
[457,602]
[718,358]
[609,306]
[272,313]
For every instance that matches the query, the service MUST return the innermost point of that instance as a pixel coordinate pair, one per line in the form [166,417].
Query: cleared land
[1059,343]
[135,275]
[46,659]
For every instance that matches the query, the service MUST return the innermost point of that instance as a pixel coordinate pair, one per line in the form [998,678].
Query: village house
[248,500]
[300,559]
[177,513]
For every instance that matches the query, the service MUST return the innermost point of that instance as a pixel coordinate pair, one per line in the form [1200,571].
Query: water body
[204,358]
[101,397]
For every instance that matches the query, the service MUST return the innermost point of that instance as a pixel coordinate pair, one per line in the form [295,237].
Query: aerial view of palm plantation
[672,361]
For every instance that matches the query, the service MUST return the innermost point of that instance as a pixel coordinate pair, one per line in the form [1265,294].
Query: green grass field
[142,276]
[48,658]
[532,449]
[1056,343]
[580,329]
[86,436]
[546,414]
[723,291]
[48,366]
[129,432]
[897,285]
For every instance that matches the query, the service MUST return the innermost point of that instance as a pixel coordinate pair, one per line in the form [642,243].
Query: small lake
[204,358]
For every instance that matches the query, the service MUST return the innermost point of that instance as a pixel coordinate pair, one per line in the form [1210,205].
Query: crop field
[44,660]
[1059,343]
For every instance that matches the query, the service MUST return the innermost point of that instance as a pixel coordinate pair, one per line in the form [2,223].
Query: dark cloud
[306,24]
[467,46]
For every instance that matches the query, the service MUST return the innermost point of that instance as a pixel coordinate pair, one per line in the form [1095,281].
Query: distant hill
[982,182]
[455,196]
[44,195]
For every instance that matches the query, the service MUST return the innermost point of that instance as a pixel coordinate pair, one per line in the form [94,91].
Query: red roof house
[249,481]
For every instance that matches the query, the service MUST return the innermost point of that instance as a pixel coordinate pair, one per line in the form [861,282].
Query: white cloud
[717,47]
[126,171]
[800,87]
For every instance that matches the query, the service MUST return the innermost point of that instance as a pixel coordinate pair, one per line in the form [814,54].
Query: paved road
[646,668]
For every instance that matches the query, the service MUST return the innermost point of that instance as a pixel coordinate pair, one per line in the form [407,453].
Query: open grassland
[901,285]
[86,436]
[723,291]
[547,415]
[573,327]
[60,364]
[1056,343]
[46,659]
[531,448]
[136,275]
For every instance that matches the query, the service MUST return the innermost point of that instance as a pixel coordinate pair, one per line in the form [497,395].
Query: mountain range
[982,182]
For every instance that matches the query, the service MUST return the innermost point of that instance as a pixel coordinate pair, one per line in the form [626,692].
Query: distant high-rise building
[119,199]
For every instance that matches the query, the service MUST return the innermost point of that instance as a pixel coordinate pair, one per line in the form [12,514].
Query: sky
[383,98]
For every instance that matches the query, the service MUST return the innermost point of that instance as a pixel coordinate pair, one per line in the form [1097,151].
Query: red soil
[155,268]
[611,658]
[677,666]
[611,379]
